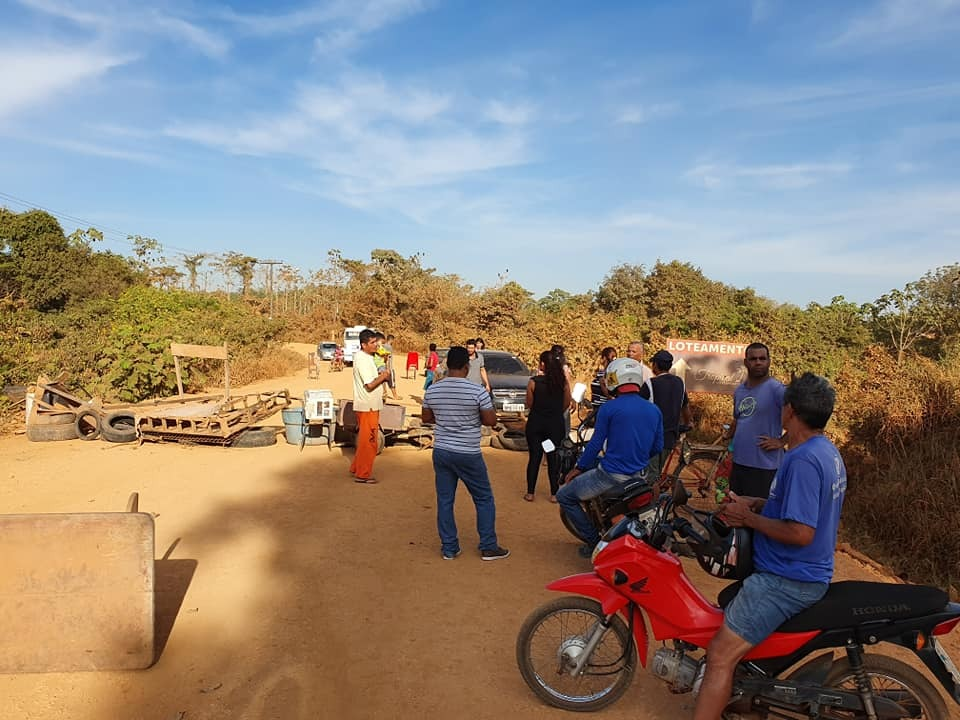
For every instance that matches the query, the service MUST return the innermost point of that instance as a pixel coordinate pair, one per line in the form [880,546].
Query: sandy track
[305,595]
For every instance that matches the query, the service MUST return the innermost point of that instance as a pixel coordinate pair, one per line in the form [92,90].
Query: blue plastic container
[294,427]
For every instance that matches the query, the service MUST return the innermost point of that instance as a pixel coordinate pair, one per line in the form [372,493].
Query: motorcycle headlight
[598,549]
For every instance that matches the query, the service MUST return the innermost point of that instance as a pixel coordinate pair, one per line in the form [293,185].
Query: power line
[116,235]
[72,218]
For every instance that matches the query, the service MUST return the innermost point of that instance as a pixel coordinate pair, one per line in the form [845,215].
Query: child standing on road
[430,367]
[384,358]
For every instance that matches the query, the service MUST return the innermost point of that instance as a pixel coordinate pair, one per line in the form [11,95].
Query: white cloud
[638,114]
[850,245]
[897,22]
[120,20]
[33,76]
[370,99]
[647,221]
[517,114]
[367,138]
[97,150]
[341,24]
[781,177]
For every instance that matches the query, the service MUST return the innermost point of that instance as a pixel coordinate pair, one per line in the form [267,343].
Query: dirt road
[291,592]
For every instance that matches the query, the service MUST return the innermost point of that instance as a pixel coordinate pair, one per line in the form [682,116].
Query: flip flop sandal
[366,481]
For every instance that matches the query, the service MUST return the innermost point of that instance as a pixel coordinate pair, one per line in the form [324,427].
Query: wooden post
[176,365]
[214,352]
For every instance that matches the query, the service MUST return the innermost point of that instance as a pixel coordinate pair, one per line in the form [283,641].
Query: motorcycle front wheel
[893,680]
[552,639]
[568,524]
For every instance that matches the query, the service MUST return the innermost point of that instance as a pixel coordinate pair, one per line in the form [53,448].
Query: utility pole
[270,263]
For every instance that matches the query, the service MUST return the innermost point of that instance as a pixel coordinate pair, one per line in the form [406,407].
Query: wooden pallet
[209,421]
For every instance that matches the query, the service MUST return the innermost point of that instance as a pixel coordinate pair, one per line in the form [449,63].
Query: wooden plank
[216,352]
[76,592]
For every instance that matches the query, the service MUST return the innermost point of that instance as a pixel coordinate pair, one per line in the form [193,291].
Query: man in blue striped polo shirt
[458,407]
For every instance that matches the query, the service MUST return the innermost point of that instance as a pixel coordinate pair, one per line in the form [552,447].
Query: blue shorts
[766,601]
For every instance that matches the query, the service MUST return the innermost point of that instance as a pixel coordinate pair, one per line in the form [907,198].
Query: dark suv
[508,376]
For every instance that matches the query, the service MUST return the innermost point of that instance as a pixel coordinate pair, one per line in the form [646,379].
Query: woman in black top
[548,395]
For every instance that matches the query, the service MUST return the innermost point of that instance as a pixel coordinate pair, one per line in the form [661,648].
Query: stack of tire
[506,438]
[116,426]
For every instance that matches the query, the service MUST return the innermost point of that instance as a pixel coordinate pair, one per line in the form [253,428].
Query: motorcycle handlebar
[686,530]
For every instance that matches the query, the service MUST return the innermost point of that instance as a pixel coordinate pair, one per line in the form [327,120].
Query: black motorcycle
[634,497]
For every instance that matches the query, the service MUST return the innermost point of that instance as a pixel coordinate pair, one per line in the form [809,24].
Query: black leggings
[538,430]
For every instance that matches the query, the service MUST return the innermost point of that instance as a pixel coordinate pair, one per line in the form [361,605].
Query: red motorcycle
[580,654]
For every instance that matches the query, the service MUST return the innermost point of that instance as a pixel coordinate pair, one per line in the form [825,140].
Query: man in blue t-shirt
[632,429]
[756,429]
[795,535]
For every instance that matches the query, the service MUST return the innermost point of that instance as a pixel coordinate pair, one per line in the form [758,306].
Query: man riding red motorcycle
[795,535]
[579,654]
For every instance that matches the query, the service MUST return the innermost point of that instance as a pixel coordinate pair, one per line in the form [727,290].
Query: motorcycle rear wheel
[550,641]
[893,680]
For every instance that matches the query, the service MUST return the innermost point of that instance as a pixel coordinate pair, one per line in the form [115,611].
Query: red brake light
[641,501]
[945,627]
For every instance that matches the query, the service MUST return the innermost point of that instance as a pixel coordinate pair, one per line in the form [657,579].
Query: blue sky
[805,149]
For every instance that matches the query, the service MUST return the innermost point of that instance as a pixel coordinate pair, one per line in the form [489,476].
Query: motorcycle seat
[852,602]
[626,490]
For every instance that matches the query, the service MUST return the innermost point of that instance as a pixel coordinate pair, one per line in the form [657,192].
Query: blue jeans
[469,467]
[766,601]
[584,487]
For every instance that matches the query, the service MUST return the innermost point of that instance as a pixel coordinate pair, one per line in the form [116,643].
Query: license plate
[942,654]
[514,407]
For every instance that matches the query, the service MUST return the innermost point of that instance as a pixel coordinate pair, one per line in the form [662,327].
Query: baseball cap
[661,358]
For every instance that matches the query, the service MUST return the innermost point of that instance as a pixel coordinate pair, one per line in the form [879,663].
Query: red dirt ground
[292,593]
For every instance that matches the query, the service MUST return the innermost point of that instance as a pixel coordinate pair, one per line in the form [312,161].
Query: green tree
[557,299]
[243,266]
[683,302]
[923,316]
[32,251]
[625,292]
[503,307]
[192,264]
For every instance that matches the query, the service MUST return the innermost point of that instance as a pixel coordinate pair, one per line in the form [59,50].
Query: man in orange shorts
[367,403]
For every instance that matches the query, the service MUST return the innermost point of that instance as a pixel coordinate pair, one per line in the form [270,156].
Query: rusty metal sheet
[76,592]
[391,416]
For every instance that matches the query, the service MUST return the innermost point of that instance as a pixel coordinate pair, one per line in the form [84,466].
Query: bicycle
[696,466]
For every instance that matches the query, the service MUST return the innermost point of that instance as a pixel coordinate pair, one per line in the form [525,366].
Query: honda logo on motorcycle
[881,609]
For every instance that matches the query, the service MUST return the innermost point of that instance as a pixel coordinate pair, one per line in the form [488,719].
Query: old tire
[51,431]
[421,437]
[513,440]
[87,425]
[55,418]
[119,426]
[255,437]
[493,441]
